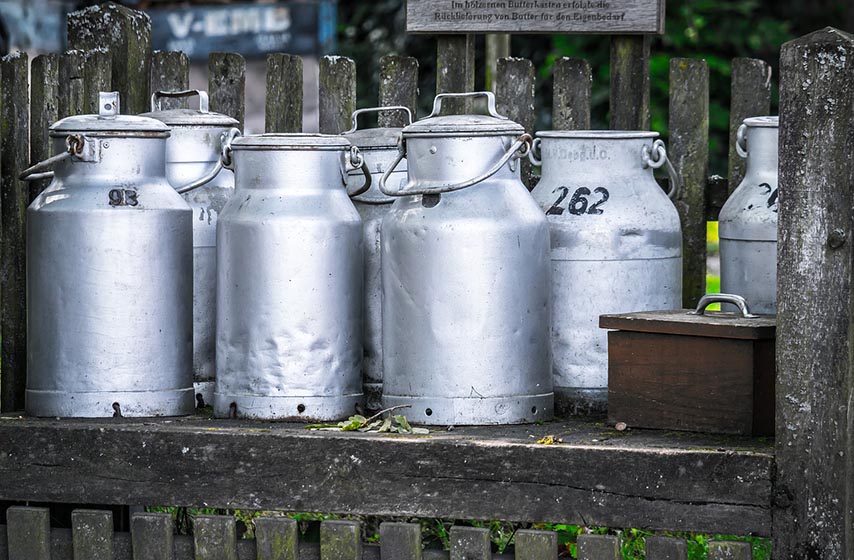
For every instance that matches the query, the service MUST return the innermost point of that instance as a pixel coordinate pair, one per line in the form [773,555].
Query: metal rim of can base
[105,404]
[474,411]
[290,408]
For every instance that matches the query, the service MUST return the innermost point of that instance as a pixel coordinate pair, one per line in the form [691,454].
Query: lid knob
[108,106]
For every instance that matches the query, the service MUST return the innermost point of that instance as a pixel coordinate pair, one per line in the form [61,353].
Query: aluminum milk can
[466,280]
[192,155]
[109,274]
[616,247]
[379,147]
[289,282]
[747,224]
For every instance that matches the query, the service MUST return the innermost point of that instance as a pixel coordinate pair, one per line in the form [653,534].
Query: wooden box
[680,371]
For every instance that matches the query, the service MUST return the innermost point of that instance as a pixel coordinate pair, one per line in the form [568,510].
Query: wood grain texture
[689,152]
[535,545]
[82,76]
[126,35]
[573,82]
[712,323]
[337,93]
[497,47]
[283,110]
[470,543]
[92,534]
[398,86]
[215,537]
[14,199]
[596,477]
[455,70]
[629,83]
[227,85]
[400,541]
[170,71]
[514,97]
[152,536]
[815,381]
[666,548]
[44,111]
[598,547]
[276,538]
[455,16]
[28,533]
[341,540]
[750,96]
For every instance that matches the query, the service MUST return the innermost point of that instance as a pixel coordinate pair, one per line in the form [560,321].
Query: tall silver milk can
[616,247]
[193,155]
[747,224]
[109,274]
[466,279]
[379,147]
[289,282]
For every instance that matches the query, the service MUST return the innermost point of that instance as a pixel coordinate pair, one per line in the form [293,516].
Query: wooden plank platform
[597,476]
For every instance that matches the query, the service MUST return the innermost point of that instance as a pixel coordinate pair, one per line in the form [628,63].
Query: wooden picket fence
[798,489]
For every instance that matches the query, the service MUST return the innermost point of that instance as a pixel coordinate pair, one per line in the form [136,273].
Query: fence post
[455,70]
[340,540]
[276,538]
[598,547]
[571,88]
[400,541]
[152,536]
[814,491]
[337,93]
[126,34]
[283,111]
[750,96]
[666,548]
[398,86]
[536,545]
[92,534]
[82,74]
[28,531]
[689,152]
[630,82]
[514,95]
[44,111]
[215,537]
[14,199]
[497,47]
[470,543]
[170,71]
[227,85]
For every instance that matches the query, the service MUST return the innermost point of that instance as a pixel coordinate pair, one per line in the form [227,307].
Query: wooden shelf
[596,477]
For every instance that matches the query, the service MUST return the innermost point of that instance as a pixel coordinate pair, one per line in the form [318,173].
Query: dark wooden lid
[683,321]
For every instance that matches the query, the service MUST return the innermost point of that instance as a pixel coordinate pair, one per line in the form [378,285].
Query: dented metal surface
[289,282]
[747,225]
[616,248]
[466,281]
[109,276]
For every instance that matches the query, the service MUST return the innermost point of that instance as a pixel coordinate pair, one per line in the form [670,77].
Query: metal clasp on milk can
[466,282]
[109,274]
[379,147]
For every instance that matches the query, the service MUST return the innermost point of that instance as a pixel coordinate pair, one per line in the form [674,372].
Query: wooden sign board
[610,17]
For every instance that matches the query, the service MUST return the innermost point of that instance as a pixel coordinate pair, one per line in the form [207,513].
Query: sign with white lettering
[614,17]
[296,27]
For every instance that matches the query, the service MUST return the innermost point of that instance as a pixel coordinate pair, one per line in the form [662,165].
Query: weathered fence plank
[215,537]
[666,548]
[277,538]
[337,93]
[283,110]
[400,541]
[497,47]
[689,152]
[730,550]
[341,540]
[126,34]
[152,536]
[536,545]
[92,534]
[398,86]
[750,96]
[814,494]
[28,533]
[470,543]
[82,75]
[227,85]
[572,84]
[14,199]
[44,111]
[598,547]
[630,82]
[514,95]
[170,71]
[455,70]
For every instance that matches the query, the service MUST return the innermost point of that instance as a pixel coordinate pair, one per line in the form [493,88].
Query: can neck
[115,159]
[302,170]
[594,156]
[762,150]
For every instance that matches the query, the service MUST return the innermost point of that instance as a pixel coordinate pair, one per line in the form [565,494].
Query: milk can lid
[763,122]
[187,117]
[295,141]
[108,119]
[492,124]
[380,137]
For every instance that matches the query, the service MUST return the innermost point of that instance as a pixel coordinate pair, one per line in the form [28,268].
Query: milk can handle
[357,160]
[523,141]
[74,147]
[738,301]
[657,157]
[223,161]
[358,112]
[158,95]
[535,155]
[490,102]
[741,141]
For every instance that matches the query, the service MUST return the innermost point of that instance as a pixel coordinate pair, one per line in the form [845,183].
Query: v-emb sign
[617,17]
